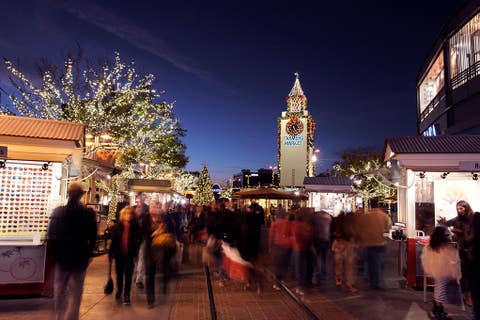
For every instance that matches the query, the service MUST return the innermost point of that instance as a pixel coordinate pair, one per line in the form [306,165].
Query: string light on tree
[203,193]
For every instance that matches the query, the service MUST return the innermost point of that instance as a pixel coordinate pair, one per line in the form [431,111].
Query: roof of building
[331,181]
[40,128]
[297,88]
[440,144]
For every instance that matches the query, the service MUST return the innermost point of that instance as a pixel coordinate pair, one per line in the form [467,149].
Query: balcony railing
[466,75]
[436,100]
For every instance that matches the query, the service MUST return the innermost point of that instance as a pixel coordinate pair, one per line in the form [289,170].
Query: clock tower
[296,132]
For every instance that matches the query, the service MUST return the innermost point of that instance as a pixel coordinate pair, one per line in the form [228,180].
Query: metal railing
[467,74]
[302,305]
[213,312]
[435,101]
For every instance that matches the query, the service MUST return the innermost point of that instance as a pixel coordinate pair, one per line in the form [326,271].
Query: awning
[150,185]
[40,139]
[267,193]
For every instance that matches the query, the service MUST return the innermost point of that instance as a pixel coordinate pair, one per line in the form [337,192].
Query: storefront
[330,194]
[434,173]
[155,192]
[37,158]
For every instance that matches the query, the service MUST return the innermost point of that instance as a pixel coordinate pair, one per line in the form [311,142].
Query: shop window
[431,85]
[475,39]
[465,52]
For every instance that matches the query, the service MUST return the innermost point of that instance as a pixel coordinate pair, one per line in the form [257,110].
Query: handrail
[463,77]
[436,100]
[213,313]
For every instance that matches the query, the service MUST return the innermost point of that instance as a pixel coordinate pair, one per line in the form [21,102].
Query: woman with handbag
[126,238]
[441,261]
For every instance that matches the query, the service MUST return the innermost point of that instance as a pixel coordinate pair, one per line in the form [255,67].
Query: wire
[75,178]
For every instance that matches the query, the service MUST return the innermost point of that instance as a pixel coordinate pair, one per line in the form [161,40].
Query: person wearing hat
[72,233]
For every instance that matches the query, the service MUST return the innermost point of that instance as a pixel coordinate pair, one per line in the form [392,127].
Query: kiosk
[37,156]
[433,174]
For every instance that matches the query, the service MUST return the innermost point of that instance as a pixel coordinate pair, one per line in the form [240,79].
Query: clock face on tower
[294,127]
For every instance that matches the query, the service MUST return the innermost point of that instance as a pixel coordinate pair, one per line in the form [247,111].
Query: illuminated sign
[293,140]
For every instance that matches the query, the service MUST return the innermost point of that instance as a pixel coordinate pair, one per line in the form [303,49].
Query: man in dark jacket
[72,232]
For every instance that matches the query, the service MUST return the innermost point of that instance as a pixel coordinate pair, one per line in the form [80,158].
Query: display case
[29,191]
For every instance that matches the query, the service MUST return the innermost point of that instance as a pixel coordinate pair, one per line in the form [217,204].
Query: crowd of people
[149,237]
[306,237]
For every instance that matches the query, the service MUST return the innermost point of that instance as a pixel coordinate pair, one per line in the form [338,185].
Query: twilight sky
[229,65]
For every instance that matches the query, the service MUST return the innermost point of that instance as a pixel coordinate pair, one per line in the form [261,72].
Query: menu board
[27,192]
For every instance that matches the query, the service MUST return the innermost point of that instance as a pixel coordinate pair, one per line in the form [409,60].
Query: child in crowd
[440,260]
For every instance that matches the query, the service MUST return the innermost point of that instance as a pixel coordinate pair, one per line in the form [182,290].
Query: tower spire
[296,99]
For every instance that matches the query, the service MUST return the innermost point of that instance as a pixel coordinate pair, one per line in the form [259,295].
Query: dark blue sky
[229,65]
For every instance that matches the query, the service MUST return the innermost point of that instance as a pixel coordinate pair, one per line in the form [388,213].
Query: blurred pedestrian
[343,247]
[162,249]
[216,232]
[462,228]
[126,239]
[280,244]
[145,222]
[254,220]
[72,233]
[302,247]
[321,240]
[440,260]
[371,227]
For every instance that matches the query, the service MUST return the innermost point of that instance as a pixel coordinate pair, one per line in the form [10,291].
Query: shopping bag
[108,289]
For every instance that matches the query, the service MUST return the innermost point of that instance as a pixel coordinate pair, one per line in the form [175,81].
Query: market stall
[433,174]
[266,195]
[154,191]
[331,194]
[37,157]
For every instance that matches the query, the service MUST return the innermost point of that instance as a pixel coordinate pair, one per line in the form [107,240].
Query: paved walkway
[187,299]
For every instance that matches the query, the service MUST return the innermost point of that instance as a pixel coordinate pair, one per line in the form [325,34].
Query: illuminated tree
[184,181]
[111,98]
[364,166]
[203,193]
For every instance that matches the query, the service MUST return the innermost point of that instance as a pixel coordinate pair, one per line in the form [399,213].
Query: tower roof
[296,100]
[297,88]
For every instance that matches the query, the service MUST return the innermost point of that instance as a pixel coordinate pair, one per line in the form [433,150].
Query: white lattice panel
[25,190]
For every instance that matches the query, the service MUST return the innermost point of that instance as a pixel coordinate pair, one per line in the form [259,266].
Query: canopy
[267,193]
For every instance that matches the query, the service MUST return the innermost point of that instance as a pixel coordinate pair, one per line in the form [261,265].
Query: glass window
[465,52]
[433,83]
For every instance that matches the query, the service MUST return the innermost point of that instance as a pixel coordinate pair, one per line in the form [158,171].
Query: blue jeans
[375,260]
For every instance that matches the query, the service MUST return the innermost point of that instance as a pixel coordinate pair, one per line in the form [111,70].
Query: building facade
[260,178]
[296,132]
[448,84]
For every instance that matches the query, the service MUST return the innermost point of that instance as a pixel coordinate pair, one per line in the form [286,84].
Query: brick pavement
[187,299]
